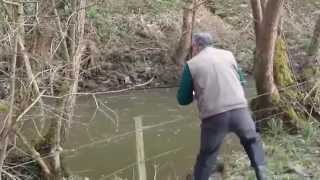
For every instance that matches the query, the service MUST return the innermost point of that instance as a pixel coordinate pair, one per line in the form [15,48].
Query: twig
[30,106]
[62,34]
[116,119]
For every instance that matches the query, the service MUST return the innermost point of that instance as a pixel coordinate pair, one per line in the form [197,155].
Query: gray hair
[202,39]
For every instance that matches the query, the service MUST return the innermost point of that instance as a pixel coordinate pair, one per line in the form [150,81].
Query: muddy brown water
[102,143]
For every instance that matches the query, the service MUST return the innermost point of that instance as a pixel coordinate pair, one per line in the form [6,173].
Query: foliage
[114,20]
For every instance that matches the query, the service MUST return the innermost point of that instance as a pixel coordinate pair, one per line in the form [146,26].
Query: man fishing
[211,78]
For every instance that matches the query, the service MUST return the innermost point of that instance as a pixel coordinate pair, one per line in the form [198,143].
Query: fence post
[140,148]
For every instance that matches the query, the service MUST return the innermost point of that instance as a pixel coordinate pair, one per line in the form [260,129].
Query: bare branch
[29,107]
[62,33]
[103,92]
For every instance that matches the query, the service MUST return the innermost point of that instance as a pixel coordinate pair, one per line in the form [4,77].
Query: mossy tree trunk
[272,70]
[266,20]
[284,78]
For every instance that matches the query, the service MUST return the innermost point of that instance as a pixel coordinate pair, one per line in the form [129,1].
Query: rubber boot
[261,172]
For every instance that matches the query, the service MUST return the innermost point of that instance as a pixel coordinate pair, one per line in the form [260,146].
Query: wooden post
[140,148]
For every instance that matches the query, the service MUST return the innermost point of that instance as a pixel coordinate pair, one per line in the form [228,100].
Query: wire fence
[68,152]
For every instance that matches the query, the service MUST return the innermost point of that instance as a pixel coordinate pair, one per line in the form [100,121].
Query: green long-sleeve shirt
[185,91]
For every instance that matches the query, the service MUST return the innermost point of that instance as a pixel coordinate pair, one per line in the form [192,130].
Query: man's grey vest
[216,82]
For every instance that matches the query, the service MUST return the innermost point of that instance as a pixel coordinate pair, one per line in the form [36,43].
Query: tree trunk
[272,68]
[43,35]
[314,47]
[62,33]
[59,128]
[310,70]
[183,49]
[266,35]
[80,22]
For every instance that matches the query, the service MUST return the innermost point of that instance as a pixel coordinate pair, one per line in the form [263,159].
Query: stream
[102,144]
[102,140]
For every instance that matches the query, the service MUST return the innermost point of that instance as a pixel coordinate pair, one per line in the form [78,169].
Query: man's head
[200,41]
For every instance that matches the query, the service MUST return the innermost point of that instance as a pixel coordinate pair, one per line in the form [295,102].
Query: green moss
[283,76]
[282,72]
[276,98]
[295,118]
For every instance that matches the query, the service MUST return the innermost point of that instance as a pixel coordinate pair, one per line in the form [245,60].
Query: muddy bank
[114,76]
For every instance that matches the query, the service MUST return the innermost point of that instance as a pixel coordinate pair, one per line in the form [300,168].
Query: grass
[289,157]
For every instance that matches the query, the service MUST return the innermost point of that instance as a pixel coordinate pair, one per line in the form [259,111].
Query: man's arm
[185,92]
[241,75]
[238,69]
